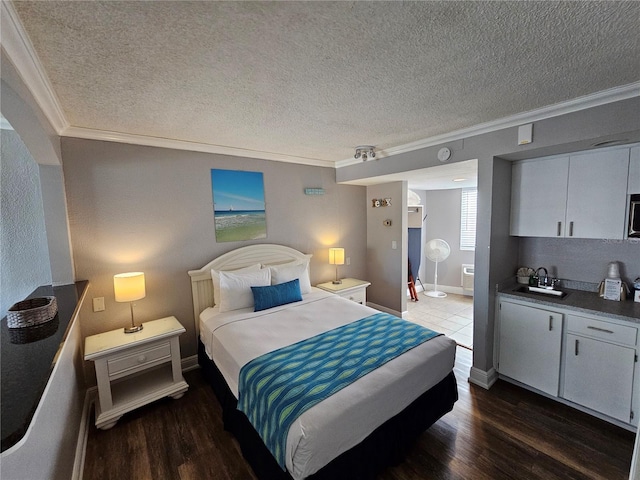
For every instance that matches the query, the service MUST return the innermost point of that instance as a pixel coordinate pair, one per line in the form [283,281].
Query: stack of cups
[613,271]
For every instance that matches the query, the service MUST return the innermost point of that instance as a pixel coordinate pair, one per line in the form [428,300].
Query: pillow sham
[290,271]
[215,277]
[235,288]
[276,295]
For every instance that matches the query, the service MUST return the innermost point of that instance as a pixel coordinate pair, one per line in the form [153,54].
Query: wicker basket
[35,333]
[32,311]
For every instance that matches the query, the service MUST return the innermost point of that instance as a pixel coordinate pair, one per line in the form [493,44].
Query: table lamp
[129,287]
[336,257]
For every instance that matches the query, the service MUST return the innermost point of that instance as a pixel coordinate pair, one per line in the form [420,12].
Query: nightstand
[350,288]
[133,369]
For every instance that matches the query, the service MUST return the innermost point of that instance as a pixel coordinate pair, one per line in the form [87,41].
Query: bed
[358,430]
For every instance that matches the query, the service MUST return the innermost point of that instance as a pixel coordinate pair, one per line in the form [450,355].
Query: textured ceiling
[315,79]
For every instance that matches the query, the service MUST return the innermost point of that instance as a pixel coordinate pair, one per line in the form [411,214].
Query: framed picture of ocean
[238,205]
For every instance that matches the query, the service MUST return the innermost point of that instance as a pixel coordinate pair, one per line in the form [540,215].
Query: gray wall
[496,252]
[387,268]
[57,224]
[442,208]
[24,255]
[581,259]
[136,208]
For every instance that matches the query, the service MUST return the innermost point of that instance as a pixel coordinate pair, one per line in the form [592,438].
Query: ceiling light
[365,152]
[459,179]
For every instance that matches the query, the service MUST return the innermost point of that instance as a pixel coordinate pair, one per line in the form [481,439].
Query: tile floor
[452,315]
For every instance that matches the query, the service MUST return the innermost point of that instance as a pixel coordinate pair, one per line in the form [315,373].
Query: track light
[365,152]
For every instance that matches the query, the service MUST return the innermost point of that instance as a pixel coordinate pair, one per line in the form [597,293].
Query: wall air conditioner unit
[414,216]
[467,279]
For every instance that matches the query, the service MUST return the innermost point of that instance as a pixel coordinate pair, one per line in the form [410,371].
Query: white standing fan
[437,250]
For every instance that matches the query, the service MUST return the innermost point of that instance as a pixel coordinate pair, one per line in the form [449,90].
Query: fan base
[436,294]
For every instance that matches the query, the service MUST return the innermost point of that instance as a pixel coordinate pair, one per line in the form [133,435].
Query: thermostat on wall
[525,134]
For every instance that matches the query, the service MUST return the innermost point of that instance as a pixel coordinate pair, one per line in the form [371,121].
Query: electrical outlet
[98,304]
[348,260]
[394,245]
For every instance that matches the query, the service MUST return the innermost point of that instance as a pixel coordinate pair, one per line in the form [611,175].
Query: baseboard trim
[444,288]
[384,309]
[189,363]
[83,433]
[483,379]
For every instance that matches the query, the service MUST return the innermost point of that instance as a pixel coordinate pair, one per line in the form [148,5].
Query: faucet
[542,281]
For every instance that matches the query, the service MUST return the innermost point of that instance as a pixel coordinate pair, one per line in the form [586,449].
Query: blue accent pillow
[275,295]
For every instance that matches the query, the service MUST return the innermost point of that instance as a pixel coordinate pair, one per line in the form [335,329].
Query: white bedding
[319,435]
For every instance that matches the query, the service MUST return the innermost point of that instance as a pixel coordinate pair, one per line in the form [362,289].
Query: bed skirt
[385,446]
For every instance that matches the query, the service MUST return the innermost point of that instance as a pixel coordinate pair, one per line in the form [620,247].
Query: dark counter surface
[27,358]
[580,301]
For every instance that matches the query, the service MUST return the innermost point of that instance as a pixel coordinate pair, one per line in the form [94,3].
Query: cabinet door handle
[577,343]
[550,322]
[604,330]
[559,229]
[571,229]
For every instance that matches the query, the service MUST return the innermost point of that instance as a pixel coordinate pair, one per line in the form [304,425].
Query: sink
[549,292]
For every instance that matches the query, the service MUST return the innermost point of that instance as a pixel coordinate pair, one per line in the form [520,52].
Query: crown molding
[133,139]
[603,97]
[18,47]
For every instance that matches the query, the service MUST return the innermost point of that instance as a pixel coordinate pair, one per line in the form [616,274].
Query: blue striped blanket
[277,387]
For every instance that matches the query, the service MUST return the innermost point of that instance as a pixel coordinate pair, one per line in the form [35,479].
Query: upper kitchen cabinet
[539,197]
[581,196]
[596,197]
[634,171]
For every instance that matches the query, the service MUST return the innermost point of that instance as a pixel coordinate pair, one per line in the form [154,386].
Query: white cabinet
[596,199]
[599,366]
[587,361]
[350,288]
[530,343]
[539,197]
[581,195]
[133,369]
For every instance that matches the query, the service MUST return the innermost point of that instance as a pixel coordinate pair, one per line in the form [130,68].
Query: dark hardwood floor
[504,433]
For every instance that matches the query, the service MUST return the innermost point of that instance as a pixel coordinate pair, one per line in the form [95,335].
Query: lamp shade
[336,256]
[129,287]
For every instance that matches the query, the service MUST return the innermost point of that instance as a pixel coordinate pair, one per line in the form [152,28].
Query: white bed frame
[265,254]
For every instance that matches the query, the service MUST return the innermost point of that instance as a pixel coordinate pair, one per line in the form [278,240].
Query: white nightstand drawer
[139,359]
[611,332]
[349,288]
[357,296]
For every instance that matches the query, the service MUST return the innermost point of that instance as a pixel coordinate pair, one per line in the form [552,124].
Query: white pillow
[291,271]
[235,288]
[215,277]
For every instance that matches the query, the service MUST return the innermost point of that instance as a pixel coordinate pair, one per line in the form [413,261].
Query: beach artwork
[238,205]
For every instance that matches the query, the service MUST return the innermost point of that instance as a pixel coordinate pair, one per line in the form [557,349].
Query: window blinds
[468,209]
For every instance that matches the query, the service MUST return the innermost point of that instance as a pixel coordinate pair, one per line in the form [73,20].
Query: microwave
[634,216]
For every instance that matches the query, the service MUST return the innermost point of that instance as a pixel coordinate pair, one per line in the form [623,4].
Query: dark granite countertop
[27,358]
[580,301]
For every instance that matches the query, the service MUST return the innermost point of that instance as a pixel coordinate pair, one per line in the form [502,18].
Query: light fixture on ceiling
[459,179]
[365,152]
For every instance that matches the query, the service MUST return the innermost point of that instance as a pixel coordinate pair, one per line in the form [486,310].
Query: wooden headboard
[266,254]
